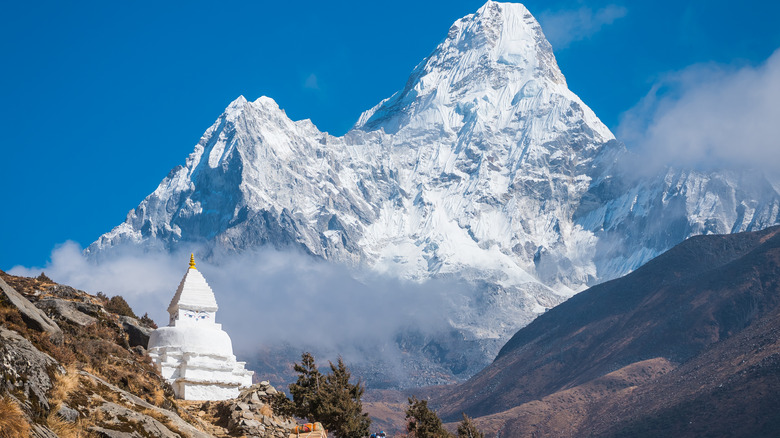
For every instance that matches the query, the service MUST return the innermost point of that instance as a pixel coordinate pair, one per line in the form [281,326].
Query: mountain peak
[490,171]
[504,26]
[489,55]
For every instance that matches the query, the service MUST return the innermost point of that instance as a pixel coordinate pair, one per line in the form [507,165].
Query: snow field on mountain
[485,170]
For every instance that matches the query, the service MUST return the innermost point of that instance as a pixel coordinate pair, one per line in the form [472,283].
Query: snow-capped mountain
[484,168]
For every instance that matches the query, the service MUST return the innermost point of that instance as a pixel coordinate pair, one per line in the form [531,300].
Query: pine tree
[467,429]
[341,408]
[422,422]
[330,399]
[306,390]
[119,306]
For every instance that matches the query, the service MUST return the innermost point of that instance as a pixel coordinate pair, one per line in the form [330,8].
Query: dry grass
[157,397]
[64,384]
[13,423]
[65,429]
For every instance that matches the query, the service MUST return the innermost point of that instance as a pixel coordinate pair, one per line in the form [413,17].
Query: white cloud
[564,27]
[269,299]
[709,116]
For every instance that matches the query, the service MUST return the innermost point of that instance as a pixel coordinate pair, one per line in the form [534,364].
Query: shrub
[281,405]
[147,322]
[119,306]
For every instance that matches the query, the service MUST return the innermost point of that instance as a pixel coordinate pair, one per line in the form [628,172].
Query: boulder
[62,291]
[67,310]
[90,309]
[125,418]
[33,316]
[137,334]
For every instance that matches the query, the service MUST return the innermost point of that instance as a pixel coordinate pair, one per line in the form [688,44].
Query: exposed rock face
[120,416]
[134,413]
[137,334]
[27,369]
[67,310]
[33,316]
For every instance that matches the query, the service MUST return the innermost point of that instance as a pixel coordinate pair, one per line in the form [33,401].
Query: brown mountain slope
[703,304]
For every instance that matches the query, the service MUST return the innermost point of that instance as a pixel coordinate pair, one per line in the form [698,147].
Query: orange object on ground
[308,430]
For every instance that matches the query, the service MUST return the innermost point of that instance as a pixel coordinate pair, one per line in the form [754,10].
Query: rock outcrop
[26,371]
[251,414]
[123,411]
[68,310]
[137,334]
[33,317]
[93,382]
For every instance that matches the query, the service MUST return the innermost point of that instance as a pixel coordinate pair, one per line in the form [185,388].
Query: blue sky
[99,100]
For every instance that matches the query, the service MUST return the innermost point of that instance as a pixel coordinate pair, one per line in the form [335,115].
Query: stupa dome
[192,339]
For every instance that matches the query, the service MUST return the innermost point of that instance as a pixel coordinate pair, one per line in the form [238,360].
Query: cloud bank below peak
[269,298]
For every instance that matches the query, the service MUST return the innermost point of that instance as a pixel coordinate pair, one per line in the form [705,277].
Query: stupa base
[194,391]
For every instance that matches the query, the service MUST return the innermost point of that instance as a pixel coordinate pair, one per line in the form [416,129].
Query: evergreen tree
[422,422]
[330,399]
[306,390]
[119,306]
[341,408]
[467,429]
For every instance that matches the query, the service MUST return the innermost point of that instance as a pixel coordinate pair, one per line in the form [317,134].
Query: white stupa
[193,353]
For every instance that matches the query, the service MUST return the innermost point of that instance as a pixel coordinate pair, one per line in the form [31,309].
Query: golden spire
[192,261]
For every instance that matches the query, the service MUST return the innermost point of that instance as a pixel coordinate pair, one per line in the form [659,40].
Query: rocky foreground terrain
[74,366]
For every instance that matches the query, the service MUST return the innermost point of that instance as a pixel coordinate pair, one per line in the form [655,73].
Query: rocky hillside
[75,365]
[687,345]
